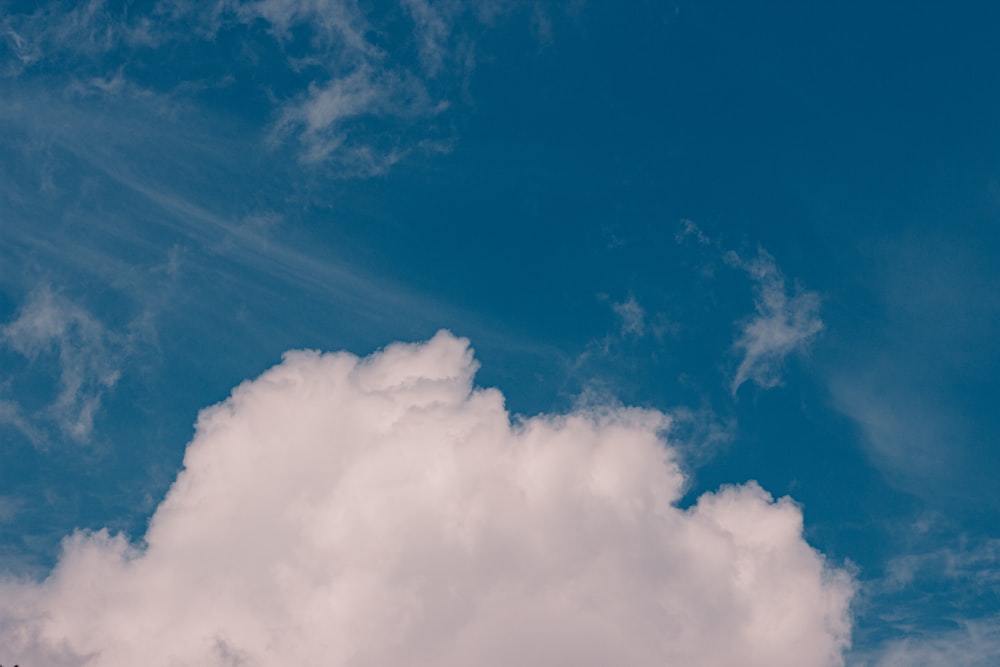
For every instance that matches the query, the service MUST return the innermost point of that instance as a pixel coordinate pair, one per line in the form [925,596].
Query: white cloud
[51,325]
[784,323]
[383,511]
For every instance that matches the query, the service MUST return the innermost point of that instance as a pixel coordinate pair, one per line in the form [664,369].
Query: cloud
[12,414]
[338,89]
[977,564]
[323,118]
[355,86]
[939,597]
[351,87]
[784,323]
[913,371]
[362,93]
[433,28]
[28,36]
[914,439]
[51,325]
[688,229]
[384,511]
[59,29]
[632,315]
[974,644]
[9,507]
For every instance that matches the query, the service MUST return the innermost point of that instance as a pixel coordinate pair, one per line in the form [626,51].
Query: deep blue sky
[532,177]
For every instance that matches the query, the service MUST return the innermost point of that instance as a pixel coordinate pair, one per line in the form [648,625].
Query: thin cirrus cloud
[349,98]
[86,354]
[972,644]
[784,323]
[384,511]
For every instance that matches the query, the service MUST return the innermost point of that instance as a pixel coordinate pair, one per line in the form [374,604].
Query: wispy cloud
[9,507]
[910,358]
[690,230]
[973,644]
[12,414]
[786,318]
[632,316]
[188,222]
[349,99]
[59,29]
[324,119]
[433,28]
[786,322]
[977,565]
[914,439]
[86,353]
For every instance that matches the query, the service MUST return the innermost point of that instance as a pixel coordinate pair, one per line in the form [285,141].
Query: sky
[428,332]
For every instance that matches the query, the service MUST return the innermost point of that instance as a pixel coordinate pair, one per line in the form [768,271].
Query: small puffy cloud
[385,511]
[784,323]
[50,325]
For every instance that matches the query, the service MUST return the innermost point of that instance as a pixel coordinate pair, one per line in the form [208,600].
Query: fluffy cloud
[384,511]
[783,324]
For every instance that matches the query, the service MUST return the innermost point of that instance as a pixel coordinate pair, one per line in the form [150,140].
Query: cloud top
[385,511]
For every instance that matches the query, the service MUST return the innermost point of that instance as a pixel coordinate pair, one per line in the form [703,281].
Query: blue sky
[775,223]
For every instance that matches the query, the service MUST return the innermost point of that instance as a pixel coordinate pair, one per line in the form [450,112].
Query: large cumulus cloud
[384,511]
